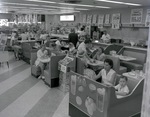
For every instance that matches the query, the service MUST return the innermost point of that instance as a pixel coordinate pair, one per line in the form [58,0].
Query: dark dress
[73,37]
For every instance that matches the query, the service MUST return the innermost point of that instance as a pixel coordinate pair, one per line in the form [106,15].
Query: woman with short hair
[107,75]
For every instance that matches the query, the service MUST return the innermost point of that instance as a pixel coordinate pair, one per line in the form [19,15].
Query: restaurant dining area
[74,58]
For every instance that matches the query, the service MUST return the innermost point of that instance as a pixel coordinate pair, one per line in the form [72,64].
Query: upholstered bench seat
[122,69]
[131,65]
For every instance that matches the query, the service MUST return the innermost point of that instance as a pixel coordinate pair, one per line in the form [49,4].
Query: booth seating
[80,66]
[35,71]
[116,64]
[114,47]
[136,64]
[27,50]
[99,100]
[52,73]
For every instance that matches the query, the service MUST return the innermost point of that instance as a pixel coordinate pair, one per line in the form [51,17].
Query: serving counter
[65,37]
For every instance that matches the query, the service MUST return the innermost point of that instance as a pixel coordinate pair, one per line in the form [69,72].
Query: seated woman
[42,60]
[99,54]
[122,88]
[107,75]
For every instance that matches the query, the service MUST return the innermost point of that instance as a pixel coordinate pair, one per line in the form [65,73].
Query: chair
[116,64]
[3,43]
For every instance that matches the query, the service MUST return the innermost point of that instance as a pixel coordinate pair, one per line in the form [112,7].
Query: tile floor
[22,95]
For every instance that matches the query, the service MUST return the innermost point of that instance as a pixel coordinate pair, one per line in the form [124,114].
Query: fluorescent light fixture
[41,1]
[14,7]
[34,8]
[41,9]
[117,2]
[18,4]
[63,7]
[84,5]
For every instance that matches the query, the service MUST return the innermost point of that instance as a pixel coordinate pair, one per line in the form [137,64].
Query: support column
[145,112]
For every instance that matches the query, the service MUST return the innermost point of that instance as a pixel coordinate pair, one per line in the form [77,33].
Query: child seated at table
[122,88]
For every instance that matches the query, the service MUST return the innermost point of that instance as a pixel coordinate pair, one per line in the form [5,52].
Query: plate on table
[131,73]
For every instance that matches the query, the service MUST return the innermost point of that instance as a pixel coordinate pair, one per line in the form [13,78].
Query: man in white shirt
[106,37]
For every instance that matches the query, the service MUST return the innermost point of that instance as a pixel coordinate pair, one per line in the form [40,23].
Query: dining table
[125,58]
[135,75]
[95,63]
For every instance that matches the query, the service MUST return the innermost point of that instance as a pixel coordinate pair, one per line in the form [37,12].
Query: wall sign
[100,21]
[147,21]
[136,16]
[84,18]
[107,18]
[116,21]
[89,19]
[94,19]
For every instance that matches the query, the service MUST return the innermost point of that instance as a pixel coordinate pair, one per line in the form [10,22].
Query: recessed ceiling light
[41,1]
[117,2]
[84,5]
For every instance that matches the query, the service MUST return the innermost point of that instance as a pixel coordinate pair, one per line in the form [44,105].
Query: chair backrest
[26,49]
[80,65]
[116,62]
[53,65]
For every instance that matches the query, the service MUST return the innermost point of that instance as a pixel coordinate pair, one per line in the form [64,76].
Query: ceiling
[64,6]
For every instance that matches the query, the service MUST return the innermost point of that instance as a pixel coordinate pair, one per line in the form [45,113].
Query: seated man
[106,37]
